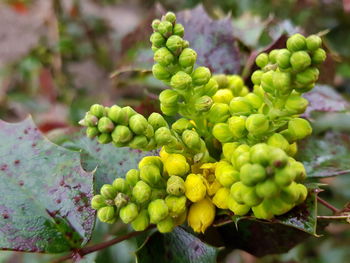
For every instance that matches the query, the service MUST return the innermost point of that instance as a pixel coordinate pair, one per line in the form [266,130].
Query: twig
[87,250]
[334,217]
[328,205]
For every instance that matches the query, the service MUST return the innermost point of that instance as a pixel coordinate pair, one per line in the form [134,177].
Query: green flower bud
[187,57]
[251,174]
[221,197]
[219,112]
[211,87]
[256,77]
[105,125]
[120,185]
[277,140]
[139,142]
[114,113]
[160,72]
[222,132]
[165,28]
[257,124]
[163,136]
[104,138]
[121,134]
[121,200]
[141,192]
[97,202]
[132,177]
[285,176]
[158,194]
[259,91]
[278,158]
[290,193]
[313,42]
[273,55]
[240,106]
[302,193]
[138,124]
[175,185]
[296,42]
[163,56]
[128,213]
[226,175]
[166,225]
[151,160]
[201,76]
[106,214]
[191,139]
[299,170]
[179,30]
[175,44]
[176,164]
[282,81]
[92,132]
[236,125]
[300,60]
[176,204]
[108,191]
[181,125]
[157,39]
[181,81]
[260,154]
[299,128]
[157,210]
[170,16]
[250,197]
[222,80]
[267,81]
[151,175]
[236,84]
[203,104]
[296,104]
[125,114]
[236,191]
[267,189]
[155,24]
[228,149]
[97,110]
[169,110]
[237,208]
[307,77]
[283,58]
[254,100]
[262,211]
[239,161]
[141,222]
[154,48]
[318,56]
[157,121]
[89,120]
[262,60]
[223,96]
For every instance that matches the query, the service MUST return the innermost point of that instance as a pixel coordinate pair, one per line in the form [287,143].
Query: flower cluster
[232,149]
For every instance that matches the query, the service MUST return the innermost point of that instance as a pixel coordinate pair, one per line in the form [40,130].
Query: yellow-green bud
[296,104]
[120,185]
[228,149]
[260,154]
[187,57]
[257,124]
[254,100]
[236,84]
[163,56]
[236,125]
[121,134]
[114,113]
[308,76]
[302,193]
[157,210]
[300,60]
[160,72]
[141,222]
[259,91]
[155,24]
[278,158]
[181,125]
[153,160]
[157,121]
[211,87]
[138,124]
[251,174]
[151,174]
[313,42]
[267,81]
[165,28]
[222,80]
[267,189]
[201,76]
[175,44]
[273,55]
[139,142]
[285,176]
[226,174]
[97,110]
[106,214]
[104,138]
[125,114]
[191,139]
[299,169]
[157,39]
[296,42]
[262,60]
[169,110]
[282,81]
[262,211]
[92,132]
[240,106]
[256,77]
[203,104]
[132,177]
[242,159]
[220,198]
[175,185]
[195,187]
[98,201]
[176,164]
[236,191]
[277,140]
[181,81]
[108,191]
[89,120]
[166,225]
[250,198]
[290,194]
[299,128]
[179,30]
[283,58]
[121,200]
[128,213]
[176,204]
[223,96]
[141,192]
[170,16]
[163,136]
[236,208]
[158,194]
[318,56]
[221,131]
[219,112]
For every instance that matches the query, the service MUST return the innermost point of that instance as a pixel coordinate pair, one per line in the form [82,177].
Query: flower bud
[132,177]
[203,104]
[236,125]
[256,77]
[128,213]
[222,80]
[158,194]
[267,81]
[141,222]
[262,60]
[283,58]
[302,193]
[92,132]
[157,39]
[97,202]
[282,81]
[299,128]
[254,100]
[257,124]
[242,159]
[187,57]
[293,149]
[240,106]
[151,175]
[307,77]
[155,24]
[211,87]
[226,175]
[191,139]
[300,60]
[175,44]
[277,140]
[176,204]
[179,30]
[181,125]
[108,191]
[104,138]
[141,192]
[299,169]
[260,154]
[106,214]
[236,84]
[195,187]
[273,55]
[169,110]
[221,197]
[166,225]
[244,92]
[175,185]
[120,185]
[151,160]
[219,112]
[290,194]
[228,149]
[250,198]
[160,72]
[170,16]
[267,189]
[121,134]
[251,174]
[176,164]
[201,76]
[114,113]
[121,200]
[97,110]
[313,42]
[222,132]
[318,56]
[223,96]
[236,208]
[181,81]
[201,215]
[138,124]
[262,211]
[89,120]
[125,114]
[285,176]
[296,104]
[236,191]
[157,121]
[157,210]
[139,142]
[165,28]
[278,158]
[163,136]
[296,42]
[163,56]
[259,91]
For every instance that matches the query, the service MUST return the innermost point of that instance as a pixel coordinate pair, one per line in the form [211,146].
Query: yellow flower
[163,155]
[221,197]
[195,188]
[213,187]
[176,164]
[201,215]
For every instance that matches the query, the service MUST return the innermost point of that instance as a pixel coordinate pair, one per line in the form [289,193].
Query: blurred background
[57,57]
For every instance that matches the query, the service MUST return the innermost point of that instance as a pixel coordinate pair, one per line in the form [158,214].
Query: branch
[334,217]
[87,250]
[328,205]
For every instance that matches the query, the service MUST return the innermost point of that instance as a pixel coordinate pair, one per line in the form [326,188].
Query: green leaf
[178,246]
[45,193]
[325,155]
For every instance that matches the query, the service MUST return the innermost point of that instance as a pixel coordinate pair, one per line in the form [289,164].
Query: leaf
[326,155]
[178,246]
[213,40]
[45,193]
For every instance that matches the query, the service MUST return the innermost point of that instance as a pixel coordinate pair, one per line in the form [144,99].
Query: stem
[328,205]
[334,217]
[90,249]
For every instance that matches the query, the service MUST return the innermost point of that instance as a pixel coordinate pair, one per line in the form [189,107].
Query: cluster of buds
[232,150]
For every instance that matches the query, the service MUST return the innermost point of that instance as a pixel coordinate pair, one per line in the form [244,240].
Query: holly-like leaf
[326,155]
[45,193]
[178,246]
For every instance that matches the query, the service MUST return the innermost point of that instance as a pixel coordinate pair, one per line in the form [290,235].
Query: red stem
[328,205]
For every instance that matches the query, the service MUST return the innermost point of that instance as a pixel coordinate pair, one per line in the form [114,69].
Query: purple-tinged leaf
[45,193]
